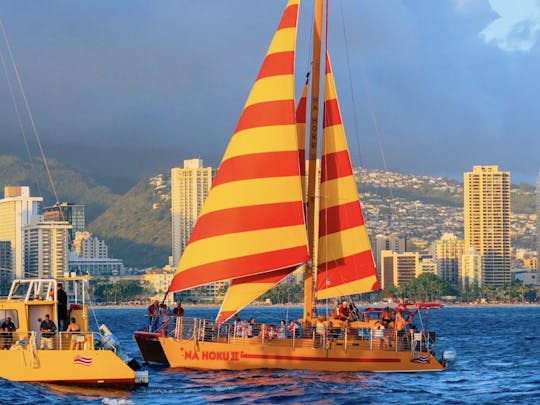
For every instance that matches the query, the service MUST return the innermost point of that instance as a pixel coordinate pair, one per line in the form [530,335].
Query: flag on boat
[82,360]
[420,359]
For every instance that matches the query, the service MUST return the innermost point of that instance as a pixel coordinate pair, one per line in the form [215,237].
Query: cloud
[516,29]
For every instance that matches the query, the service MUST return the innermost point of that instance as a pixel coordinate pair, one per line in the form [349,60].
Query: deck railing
[202,330]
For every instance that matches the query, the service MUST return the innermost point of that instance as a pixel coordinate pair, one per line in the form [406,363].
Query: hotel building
[487,221]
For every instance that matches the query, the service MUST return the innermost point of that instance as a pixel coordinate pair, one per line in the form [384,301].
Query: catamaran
[260,222]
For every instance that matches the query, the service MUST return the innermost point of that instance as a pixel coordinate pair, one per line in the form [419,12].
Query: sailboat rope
[30,115]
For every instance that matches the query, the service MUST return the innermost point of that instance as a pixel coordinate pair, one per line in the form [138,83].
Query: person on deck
[165,315]
[282,330]
[75,330]
[48,330]
[292,328]
[344,314]
[7,328]
[61,296]
[178,310]
[379,336]
[153,315]
[386,318]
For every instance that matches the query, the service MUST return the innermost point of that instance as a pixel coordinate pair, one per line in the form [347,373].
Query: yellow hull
[244,354]
[92,367]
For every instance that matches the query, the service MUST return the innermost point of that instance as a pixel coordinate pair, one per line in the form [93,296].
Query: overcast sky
[132,86]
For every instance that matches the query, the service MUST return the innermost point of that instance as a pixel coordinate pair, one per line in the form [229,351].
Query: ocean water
[498,361]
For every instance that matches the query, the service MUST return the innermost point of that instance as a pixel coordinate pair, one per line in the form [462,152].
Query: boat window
[12,313]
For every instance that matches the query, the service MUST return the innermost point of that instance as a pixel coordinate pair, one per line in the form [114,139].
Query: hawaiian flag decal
[85,361]
[420,359]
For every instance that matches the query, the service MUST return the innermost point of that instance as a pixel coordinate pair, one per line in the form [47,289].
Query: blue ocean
[498,361]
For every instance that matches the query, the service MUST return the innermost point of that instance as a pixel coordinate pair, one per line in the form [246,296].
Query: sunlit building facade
[487,221]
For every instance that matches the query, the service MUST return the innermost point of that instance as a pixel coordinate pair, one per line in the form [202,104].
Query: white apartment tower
[487,221]
[17,209]
[90,247]
[189,188]
[471,269]
[447,252]
[46,248]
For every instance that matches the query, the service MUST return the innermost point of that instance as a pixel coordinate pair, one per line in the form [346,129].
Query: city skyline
[132,82]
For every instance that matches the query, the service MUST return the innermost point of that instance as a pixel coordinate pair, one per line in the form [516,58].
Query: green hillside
[71,186]
[137,227]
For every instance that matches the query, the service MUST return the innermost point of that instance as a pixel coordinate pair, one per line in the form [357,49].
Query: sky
[126,88]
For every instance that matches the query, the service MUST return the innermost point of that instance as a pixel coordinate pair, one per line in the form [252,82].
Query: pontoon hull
[246,354]
[74,367]
[150,348]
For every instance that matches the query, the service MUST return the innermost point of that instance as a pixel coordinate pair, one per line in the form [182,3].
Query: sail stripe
[246,289]
[343,216]
[261,165]
[279,112]
[345,262]
[301,115]
[349,241]
[280,63]
[269,89]
[243,219]
[276,138]
[288,20]
[237,267]
[244,193]
[252,221]
[333,117]
[336,165]
[338,191]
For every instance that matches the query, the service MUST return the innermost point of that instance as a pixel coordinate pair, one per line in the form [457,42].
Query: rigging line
[19,119]
[373,116]
[30,116]
[351,89]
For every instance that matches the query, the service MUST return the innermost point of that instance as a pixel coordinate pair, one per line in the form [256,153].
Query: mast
[312,166]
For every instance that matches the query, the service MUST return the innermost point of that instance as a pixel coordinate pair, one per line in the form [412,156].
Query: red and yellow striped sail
[252,221]
[244,290]
[345,261]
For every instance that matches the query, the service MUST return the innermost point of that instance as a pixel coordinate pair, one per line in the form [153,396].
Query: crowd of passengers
[382,331]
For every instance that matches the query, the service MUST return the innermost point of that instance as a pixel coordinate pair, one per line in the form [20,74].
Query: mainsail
[345,261]
[252,222]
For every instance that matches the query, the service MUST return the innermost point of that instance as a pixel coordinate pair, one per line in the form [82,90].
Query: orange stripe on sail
[288,20]
[336,165]
[339,218]
[249,218]
[279,63]
[261,165]
[331,115]
[345,270]
[279,112]
[301,117]
[238,267]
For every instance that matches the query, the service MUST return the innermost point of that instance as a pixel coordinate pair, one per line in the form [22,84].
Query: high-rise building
[471,268]
[538,222]
[487,221]
[398,269]
[189,188]
[392,243]
[90,247]
[46,249]
[6,275]
[447,253]
[17,209]
[72,213]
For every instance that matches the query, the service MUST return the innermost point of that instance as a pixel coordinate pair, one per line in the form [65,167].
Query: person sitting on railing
[48,329]
[153,315]
[252,329]
[379,335]
[75,331]
[7,328]
[344,314]
[282,330]
[387,318]
[292,328]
